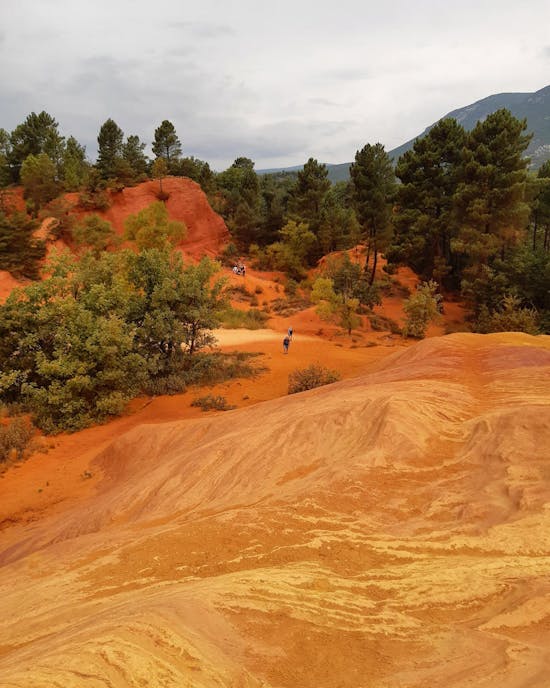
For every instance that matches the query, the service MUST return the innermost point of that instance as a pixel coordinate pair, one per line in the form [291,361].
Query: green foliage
[511,317]
[74,165]
[212,403]
[240,201]
[38,177]
[5,152]
[151,227]
[307,195]
[421,309]
[15,437]
[166,143]
[315,375]
[425,220]
[94,200]
[134,156]
[77,346]
[290,253]
[95,233]
[20,252]
[159,170]
[250,319]
[489,200]
[373,189]
[351,282]
[335,305]
[36,135]
[63,220]
[109,149]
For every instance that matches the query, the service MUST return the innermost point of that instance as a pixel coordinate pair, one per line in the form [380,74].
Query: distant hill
[535,107]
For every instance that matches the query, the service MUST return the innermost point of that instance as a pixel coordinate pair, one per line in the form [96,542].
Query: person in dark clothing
[286,342]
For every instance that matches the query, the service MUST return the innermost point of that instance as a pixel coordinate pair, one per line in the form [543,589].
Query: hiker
[286,342]
[290,333]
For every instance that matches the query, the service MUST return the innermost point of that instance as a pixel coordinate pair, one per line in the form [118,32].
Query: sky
[278,82]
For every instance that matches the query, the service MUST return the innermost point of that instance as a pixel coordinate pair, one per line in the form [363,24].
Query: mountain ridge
[535,107]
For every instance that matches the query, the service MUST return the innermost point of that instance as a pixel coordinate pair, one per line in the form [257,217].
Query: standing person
[290,332]
[286,342]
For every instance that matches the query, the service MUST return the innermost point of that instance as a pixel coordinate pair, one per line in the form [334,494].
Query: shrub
[212,403]
[252,319]
[15,438]
[315,375]
[421,308]
[94,200]
[510,318]
[380,323]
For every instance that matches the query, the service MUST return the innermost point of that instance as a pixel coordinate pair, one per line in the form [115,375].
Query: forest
[461,208]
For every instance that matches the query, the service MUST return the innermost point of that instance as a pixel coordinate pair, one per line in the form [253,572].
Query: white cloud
[278,82]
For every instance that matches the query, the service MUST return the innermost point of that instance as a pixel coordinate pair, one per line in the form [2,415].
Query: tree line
[461,208]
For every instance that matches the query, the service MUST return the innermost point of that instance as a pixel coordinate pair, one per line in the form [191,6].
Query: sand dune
[389,530]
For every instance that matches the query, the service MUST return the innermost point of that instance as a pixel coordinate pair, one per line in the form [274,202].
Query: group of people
[287,340]
[239,269]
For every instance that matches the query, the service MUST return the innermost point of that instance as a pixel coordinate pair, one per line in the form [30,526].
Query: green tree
[490,198]
[290,253]
[5,153]
[541,209]
[424,222]
[421,308]
[152,228]
[333,305]
[240,189]
[109,150]
[133,154]
[339,228]
[159,171]
[307,196]
[95,233]
[75,168]
[20,252]
[37,134]
[38,177]
[166,143]
[373,188]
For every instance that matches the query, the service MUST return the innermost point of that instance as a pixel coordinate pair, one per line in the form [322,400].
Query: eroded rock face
[206,230]
[392,530]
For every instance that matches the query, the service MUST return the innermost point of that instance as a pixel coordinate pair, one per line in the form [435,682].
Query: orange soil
[206,230]
[388,530]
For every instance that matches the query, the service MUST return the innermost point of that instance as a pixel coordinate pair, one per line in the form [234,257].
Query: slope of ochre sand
[388,530]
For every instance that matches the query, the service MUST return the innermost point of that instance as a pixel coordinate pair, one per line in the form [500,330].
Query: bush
[381,323]
[15,438]
[252,319]
[510,318]
[315,375]
[212,403]
[421,308]
[94,200]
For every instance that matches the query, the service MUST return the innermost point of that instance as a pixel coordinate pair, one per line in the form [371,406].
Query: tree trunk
[375,261]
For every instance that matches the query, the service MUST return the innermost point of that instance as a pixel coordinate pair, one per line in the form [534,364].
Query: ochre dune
[390,530]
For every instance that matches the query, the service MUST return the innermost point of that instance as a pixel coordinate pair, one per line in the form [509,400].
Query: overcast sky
[277,81]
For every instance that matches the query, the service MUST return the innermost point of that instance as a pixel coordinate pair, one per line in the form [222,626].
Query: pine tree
[132,153]
[306,197]
[109,148]
[166,143]
[490,198]
[373,188]
[424,220]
